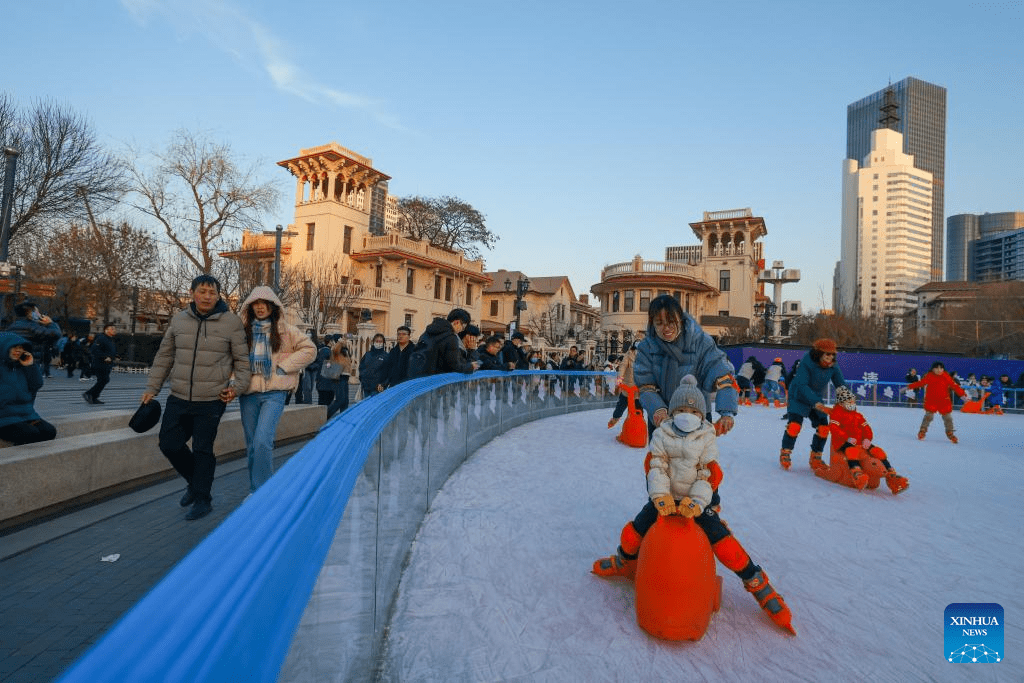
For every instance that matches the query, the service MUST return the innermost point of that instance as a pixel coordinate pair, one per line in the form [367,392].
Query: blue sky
[586,132]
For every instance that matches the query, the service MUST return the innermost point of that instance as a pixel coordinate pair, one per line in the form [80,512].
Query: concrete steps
[96,456]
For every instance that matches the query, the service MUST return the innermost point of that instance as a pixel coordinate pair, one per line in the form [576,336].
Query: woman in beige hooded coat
[277,354]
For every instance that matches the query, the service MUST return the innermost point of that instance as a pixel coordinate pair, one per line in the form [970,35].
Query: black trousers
[102,379]
[198,421]
[32,431]
[709,521]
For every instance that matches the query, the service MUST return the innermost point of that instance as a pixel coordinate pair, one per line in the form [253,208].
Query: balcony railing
[363,293]
[638,266]
[413,247]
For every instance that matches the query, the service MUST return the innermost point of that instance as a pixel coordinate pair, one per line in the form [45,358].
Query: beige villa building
[347,269]
[715,281]
[343,258]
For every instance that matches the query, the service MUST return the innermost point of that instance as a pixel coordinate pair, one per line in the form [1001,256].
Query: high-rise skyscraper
[921,118]
[886,235]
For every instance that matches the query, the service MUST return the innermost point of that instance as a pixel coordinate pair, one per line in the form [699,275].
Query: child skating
[682,476]
[852,437]
[937,384]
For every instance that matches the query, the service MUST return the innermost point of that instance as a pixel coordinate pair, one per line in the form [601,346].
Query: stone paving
[57,596]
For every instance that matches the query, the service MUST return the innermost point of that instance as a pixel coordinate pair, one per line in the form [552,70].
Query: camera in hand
[25,357]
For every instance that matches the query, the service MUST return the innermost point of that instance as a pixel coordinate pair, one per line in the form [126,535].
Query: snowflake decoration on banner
[862,391]
[888,393]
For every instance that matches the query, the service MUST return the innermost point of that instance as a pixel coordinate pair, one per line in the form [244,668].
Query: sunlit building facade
[921,119]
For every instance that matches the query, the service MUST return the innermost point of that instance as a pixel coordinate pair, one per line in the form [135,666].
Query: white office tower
[886,229]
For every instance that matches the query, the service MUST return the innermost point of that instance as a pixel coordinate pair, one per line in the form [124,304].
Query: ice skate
[816,463]
[896,483]
[784,459]
[769,600]
[860,480]
[612,422]
[952,437]
[920,435]
[616,565]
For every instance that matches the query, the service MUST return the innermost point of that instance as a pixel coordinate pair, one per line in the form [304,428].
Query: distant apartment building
[920,117]
[346,259]
[554,315]
[886,239]
[985,247]
[967,309]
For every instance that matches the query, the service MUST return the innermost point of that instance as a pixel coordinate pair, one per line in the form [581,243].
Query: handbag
[332,371]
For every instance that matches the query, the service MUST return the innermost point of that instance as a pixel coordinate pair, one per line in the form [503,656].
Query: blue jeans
[771,390]
[260,414]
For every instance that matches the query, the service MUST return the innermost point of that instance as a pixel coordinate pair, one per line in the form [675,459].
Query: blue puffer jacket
[18,384]
[660,368]
[810,383]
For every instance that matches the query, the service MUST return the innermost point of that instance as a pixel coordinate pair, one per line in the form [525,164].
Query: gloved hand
[865,444]
[665,505]
[852,441]
[689,507]
[716,474]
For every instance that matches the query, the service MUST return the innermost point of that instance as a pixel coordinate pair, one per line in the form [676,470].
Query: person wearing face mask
[373,367]
[674,346]
[806,393]
[682,475]
[854,436]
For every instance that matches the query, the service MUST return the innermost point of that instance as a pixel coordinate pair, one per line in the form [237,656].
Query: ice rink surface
[498,586]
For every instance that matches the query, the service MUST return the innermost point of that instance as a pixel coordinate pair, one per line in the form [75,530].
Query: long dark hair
[275,315]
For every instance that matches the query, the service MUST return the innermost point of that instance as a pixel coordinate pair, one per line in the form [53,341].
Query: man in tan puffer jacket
[203,346]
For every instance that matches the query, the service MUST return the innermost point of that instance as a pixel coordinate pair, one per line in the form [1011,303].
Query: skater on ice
[852,439]
[937,384]
[683,474]
[806,392]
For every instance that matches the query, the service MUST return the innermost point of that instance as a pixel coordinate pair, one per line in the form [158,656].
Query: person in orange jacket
[937,385]
[854,436]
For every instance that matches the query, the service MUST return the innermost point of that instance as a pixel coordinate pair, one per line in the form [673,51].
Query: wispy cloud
[227,27]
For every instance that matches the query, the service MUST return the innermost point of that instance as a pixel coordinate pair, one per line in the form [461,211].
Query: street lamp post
[769,314]
[6,208]
[278,232]
[522,286]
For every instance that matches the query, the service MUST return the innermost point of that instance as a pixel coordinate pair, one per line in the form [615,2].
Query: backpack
[423,359]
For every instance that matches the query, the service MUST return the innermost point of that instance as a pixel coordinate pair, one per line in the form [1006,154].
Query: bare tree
[59,159]
[320,290]
[848,330]
[446,222]
[94,269]
[200,196]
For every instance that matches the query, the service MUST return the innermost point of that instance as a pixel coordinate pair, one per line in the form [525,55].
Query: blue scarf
[259,356]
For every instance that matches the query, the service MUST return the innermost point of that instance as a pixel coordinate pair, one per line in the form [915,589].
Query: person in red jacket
[937,385]
[854,436]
